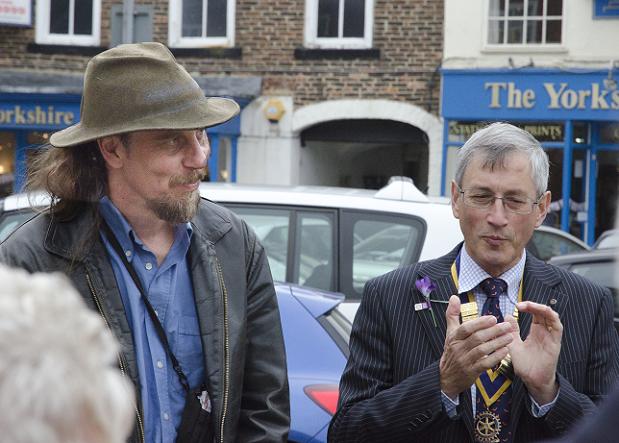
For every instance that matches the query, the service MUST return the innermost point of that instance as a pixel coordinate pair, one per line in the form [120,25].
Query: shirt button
[166,416]
[128,253]
[148,266]
[159,364]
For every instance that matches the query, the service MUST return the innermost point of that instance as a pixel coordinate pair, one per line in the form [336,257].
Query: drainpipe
[128,21]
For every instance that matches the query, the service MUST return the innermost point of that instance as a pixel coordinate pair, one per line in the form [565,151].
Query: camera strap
[151,311]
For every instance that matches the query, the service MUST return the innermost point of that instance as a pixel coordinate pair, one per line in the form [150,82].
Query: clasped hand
[480,344]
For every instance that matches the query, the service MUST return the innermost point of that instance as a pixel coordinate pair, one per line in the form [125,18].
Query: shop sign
[606,9]
[37,116]
[543,132]
[536,94]
[15,12]
[557,95]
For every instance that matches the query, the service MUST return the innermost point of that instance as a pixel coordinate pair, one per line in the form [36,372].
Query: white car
[338,238]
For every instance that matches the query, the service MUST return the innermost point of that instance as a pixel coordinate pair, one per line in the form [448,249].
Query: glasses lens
[483,200]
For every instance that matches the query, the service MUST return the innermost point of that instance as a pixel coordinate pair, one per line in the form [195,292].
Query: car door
[300,242]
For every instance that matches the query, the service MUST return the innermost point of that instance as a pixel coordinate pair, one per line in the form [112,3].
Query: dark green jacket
[235,299]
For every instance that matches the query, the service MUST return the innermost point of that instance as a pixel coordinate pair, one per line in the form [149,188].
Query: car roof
[585,257]
[400,196]
[564,234]
[443,231]
[604,236]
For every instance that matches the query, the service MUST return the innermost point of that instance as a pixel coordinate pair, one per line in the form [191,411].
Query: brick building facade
[345,114]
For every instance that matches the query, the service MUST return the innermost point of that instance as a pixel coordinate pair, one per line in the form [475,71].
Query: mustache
[195,176]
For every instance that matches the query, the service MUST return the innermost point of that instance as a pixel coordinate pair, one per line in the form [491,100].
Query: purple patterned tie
[500,409]
[493,287]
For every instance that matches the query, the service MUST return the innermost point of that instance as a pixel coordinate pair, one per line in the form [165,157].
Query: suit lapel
[539,286]
[439,271]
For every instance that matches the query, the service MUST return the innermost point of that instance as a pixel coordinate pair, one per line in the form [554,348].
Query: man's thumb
[452,314]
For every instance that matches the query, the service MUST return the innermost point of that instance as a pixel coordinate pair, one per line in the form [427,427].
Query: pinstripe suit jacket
[390,388]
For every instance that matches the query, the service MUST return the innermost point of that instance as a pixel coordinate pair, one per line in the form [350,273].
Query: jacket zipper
[226,351]
[121,363]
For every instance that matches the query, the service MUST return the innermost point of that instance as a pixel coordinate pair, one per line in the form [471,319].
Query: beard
[178,209]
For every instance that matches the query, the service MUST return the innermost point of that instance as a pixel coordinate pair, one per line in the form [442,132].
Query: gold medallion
[487,427]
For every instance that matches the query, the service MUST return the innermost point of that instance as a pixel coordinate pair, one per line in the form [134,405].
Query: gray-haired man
[521,352]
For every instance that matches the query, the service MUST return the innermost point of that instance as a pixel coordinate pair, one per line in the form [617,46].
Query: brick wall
[408,34]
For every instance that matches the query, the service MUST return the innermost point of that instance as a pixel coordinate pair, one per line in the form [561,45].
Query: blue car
[316,336]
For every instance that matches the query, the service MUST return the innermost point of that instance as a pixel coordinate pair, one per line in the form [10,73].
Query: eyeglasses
[480,199]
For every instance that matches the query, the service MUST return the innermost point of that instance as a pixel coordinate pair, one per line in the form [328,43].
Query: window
[380,247]
[195,23]
[339,24]
[525,22]
[68,22]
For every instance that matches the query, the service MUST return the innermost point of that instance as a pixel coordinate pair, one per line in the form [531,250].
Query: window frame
[311,29]
[543,46]
[176,39]
[43,36]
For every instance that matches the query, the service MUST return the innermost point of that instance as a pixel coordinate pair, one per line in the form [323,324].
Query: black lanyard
[151,312]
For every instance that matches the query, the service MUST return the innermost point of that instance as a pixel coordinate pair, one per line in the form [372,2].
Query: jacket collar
[73,239]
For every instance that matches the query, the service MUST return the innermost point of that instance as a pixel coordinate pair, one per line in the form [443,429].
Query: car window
[602,273]
[374,244]
[379,248]
[11,221]
[548,244]
[271,227]
[608,241]
[299,243]
[338,327]
[314,257]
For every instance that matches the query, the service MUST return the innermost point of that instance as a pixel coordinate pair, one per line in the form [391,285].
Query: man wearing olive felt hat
[183,283]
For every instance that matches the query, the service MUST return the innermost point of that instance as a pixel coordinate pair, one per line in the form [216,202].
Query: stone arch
[321,112]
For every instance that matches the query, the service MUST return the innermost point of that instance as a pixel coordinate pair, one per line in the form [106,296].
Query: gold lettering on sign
[37,116]
[495,93]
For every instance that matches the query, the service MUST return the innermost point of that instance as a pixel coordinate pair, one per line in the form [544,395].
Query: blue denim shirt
[170,292]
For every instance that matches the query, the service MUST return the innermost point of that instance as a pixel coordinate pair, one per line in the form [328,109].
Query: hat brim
[209,112]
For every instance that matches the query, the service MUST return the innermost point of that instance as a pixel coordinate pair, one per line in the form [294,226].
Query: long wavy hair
[73,177]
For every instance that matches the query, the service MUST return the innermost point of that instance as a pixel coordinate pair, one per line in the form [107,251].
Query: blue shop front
[574,114]
[27,121]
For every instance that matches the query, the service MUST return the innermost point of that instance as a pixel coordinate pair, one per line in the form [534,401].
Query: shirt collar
[125,234]
[471,274]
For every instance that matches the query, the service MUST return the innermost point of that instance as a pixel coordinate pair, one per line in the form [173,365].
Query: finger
[509,319]
[543,315]
[471,327]
[452,314]
[490,361]
[489,347]
[485,334]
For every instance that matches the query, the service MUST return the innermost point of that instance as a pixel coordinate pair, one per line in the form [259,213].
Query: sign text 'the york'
[559,96]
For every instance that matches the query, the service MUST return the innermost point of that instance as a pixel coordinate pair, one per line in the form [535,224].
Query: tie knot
[493,287]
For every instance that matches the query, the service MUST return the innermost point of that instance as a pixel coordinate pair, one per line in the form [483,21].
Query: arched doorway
[363,153]
[361,143]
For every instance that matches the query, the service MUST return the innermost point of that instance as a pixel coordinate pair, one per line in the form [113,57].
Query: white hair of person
[58,379]
[495,143]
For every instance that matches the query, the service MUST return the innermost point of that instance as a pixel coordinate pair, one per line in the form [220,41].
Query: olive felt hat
[141,86]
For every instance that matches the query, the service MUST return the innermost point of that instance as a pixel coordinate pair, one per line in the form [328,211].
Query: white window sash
[311,29]
[175,23]
[504,19]
[43,36]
